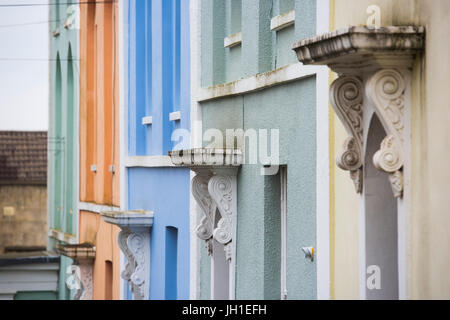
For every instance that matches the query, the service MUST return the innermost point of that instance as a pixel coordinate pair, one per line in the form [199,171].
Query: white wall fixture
[374,67]
[147,120]
[83,256]
[175,116]
[215,189]
[134,242]
[282,21]
[233,40]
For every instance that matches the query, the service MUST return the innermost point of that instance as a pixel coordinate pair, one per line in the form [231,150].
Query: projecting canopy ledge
[134,242]
[361,47]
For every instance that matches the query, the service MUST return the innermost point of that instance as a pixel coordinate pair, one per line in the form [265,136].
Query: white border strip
[282,21]
[233,40]
[175,116]
[257,82]
[123,116]
[148,162]
[96,208]
[61,236]
[147,120]
[196,141]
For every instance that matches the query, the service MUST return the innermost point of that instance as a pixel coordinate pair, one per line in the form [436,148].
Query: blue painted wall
[159,73]
[159,84]
[166,192]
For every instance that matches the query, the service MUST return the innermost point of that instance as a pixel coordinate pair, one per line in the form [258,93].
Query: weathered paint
[288,106]
[94,230]
[159,85]
[99,140]
[427,237]
[63,130]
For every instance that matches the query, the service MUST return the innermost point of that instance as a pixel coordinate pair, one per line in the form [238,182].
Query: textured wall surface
[159,84]
[164,191]
[276,108]
[289,107]
[25,226]
[427,225]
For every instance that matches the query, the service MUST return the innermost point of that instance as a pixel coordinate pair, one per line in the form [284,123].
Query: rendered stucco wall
[289,107]
[427,226]
[165,191]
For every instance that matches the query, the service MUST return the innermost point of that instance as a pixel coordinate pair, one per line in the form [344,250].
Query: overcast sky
[24,83]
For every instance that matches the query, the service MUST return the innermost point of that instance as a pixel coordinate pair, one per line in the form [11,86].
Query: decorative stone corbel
[214,187]
[386,89]
[200,192]
[222,189]
[389,159]
[346,97]
[83,256]
[134,242]
[380,58]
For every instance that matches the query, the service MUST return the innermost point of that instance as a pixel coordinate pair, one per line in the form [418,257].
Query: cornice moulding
[84,251]
[129,219]
[361,47]
[206,158]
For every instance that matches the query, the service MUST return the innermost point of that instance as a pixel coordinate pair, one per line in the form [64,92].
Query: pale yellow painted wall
[346,271]
[428,258]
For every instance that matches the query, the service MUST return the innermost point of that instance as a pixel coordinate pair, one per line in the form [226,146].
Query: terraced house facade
[241,149]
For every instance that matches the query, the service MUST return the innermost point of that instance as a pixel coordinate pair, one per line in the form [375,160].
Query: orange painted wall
[99,140]
[99,107]
[104,236]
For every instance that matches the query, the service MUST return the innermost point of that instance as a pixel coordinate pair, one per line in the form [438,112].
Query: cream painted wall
[428,256]
[346,271]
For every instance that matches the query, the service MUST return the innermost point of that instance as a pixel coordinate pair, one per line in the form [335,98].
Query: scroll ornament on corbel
[200,192]
[347,100]
[387,88]
[221,190]
[133,245]
[390,160]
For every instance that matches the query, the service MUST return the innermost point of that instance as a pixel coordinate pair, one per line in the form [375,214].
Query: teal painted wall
[63,131]
[289,107]
[262,50]
[36,295]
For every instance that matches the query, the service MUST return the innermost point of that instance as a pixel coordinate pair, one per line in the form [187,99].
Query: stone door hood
[362,47]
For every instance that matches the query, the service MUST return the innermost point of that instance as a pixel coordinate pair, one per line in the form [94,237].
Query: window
[171,263]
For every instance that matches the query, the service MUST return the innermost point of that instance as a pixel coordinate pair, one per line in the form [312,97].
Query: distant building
[23,239]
